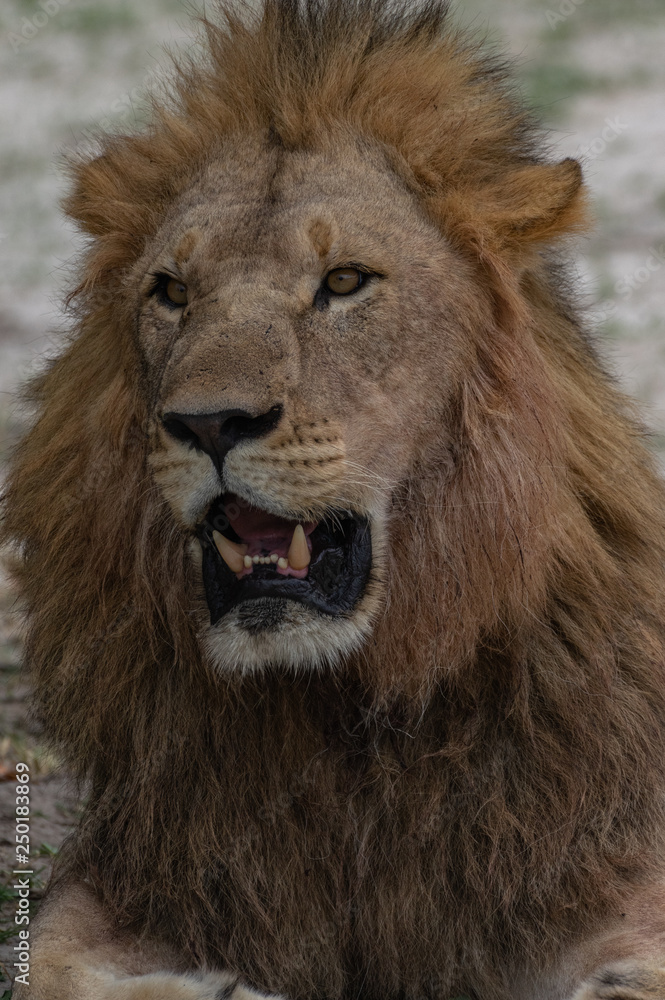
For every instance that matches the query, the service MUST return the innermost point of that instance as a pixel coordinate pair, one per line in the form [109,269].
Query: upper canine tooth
[298,555]
[231,552]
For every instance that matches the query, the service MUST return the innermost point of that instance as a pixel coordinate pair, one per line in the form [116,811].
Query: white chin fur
[302,640]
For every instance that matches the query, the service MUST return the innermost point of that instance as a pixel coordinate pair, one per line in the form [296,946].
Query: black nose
[217,433]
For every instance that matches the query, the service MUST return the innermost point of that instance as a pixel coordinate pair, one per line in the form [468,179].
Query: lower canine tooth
[232,553]
[298,555]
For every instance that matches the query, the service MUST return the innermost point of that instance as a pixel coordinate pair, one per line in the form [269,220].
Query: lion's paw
[165,986]
[624,981]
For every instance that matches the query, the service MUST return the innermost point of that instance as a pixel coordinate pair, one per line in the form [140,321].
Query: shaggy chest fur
[337,851]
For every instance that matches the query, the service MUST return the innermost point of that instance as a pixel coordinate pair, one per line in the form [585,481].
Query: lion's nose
[217,433]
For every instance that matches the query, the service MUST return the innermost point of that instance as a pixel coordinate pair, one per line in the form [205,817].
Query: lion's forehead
[256,209]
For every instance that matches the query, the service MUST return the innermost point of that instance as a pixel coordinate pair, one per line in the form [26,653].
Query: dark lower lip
[337,576]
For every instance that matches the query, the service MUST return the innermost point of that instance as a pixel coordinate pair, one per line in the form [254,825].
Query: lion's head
[301,272]
[286,315]
[303,328]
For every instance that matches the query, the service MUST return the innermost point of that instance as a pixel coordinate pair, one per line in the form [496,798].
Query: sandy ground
[593,67]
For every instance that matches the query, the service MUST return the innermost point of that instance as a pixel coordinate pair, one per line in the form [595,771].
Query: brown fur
[483,783]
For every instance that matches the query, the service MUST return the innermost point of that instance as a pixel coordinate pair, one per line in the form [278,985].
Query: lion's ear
[95,196]
[535,203]
[109,202]
[530,204]
[501,222]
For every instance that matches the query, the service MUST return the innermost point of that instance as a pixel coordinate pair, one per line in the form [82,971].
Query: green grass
[596,15]
[93,19]
[98,19]
[46,851]
[593,15]
[549,86]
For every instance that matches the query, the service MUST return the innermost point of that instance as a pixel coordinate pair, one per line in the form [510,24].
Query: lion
[342,557]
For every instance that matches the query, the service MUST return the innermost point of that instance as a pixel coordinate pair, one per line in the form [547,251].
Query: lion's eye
[176,292]
[344,280]
[170,291]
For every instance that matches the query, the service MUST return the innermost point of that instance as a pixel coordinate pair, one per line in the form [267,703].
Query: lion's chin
[282,592]
[271,632]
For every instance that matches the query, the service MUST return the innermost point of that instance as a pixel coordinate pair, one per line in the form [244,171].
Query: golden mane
[507,714]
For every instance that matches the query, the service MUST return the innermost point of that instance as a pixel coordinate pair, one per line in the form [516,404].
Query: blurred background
[594,70]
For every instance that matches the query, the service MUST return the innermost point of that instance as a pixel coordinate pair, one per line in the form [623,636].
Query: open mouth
[250,555]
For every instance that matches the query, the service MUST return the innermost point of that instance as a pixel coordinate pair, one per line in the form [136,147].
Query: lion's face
[298,317]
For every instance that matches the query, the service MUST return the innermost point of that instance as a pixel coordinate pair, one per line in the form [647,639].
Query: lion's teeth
[236,558]
[232,553]
[298,555]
